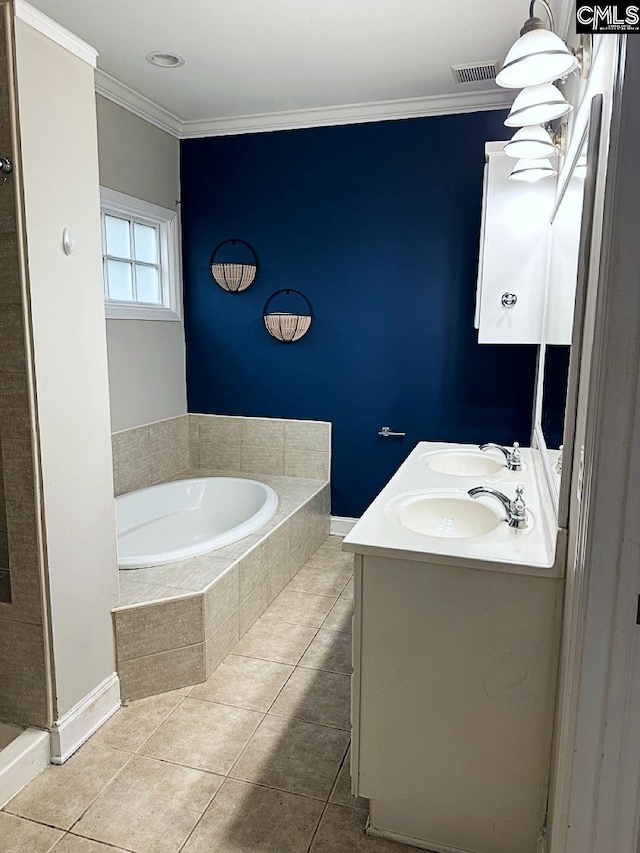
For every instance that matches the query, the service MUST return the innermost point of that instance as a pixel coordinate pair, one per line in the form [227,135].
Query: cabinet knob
[509,299]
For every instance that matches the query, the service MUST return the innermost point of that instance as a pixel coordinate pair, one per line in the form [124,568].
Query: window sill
[115,311]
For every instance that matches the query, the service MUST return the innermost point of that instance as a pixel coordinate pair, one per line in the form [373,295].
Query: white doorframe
[595,807]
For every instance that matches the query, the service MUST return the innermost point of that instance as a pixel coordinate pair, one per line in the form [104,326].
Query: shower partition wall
[23,653]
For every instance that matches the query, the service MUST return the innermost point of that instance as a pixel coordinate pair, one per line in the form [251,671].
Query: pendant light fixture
[531,143]
[531,171]
[537,105]
[539,55]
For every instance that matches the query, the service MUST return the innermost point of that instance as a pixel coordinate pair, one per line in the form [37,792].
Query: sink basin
[446,515]
[463,463]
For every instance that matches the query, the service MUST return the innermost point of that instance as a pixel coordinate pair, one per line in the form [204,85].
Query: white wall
[146,358]
[60,178]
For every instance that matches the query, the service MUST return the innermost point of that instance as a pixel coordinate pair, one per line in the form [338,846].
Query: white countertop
[529,551]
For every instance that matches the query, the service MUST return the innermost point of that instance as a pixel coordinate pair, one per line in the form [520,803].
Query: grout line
[102,790]
[328,801]
[309,722]
[94,841]
[244,748]
[280,790]
[315,832]
[164,720]
[342,763]
[318,669]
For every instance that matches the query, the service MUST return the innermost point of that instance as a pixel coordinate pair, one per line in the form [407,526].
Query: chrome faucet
[512,454]
[516,509]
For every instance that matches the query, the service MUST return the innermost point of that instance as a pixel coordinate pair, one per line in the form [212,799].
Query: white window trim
[168,222]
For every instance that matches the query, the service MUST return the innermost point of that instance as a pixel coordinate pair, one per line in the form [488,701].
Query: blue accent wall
[378,224]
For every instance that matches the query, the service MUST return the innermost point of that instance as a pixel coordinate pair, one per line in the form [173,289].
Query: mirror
[569,256]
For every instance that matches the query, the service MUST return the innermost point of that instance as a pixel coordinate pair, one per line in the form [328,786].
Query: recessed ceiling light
[164,60]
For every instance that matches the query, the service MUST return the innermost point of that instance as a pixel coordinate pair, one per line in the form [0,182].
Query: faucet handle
[512,454]
[514,459]
[519,508]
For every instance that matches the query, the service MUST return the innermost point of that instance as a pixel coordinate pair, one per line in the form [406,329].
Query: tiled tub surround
[175,623]
[184,618]
[156,452]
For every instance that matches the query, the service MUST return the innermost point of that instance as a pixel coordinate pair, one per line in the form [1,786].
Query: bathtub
[174,521]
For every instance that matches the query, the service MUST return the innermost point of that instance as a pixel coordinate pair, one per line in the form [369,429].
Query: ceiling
[261,64]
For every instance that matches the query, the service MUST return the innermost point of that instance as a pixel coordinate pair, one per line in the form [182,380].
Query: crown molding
[124,96]
[432,105]
[44,24]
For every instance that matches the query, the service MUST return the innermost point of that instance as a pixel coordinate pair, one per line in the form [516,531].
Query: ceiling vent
[475,72]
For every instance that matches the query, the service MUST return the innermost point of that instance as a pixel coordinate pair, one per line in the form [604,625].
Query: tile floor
[254,760]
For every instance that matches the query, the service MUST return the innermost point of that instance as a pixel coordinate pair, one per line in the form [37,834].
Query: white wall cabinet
[514,248]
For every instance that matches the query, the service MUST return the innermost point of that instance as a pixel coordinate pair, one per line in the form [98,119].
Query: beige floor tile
[275,641]
[246,818]
[319,581]
[347,593]
[317,697]
[244,682]
[133,724]
[331,558]
[341,794]
[151,807]
[293,756]
[61,794]
[339,619]
[300,608]
[75,844]
[333,542]
[23,836]
[342,831]
[330,650]
[203,735]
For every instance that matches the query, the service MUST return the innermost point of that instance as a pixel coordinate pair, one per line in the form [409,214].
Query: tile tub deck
[174,624]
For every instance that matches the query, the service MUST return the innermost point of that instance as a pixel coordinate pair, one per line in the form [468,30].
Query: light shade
[539,56]
[537,105]
[531,171]
[531,143]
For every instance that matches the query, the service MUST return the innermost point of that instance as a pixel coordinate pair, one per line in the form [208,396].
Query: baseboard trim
[77,725]
[341,525]
[413,842]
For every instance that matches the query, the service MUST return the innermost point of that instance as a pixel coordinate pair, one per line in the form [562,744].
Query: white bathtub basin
[174,521]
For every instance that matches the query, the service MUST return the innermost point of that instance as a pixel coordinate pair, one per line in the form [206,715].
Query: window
[140,259]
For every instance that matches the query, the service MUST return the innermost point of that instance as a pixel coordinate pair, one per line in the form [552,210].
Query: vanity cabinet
[452,703]
[514,248]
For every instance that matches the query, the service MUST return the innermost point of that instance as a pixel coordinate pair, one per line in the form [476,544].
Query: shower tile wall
[23,691]
[156,452]
[150,453]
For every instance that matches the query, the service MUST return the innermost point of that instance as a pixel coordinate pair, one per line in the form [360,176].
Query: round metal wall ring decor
[233,276]
[286,326]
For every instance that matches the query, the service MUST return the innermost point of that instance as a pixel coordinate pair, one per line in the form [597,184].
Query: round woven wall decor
[233,276]
[285,326]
